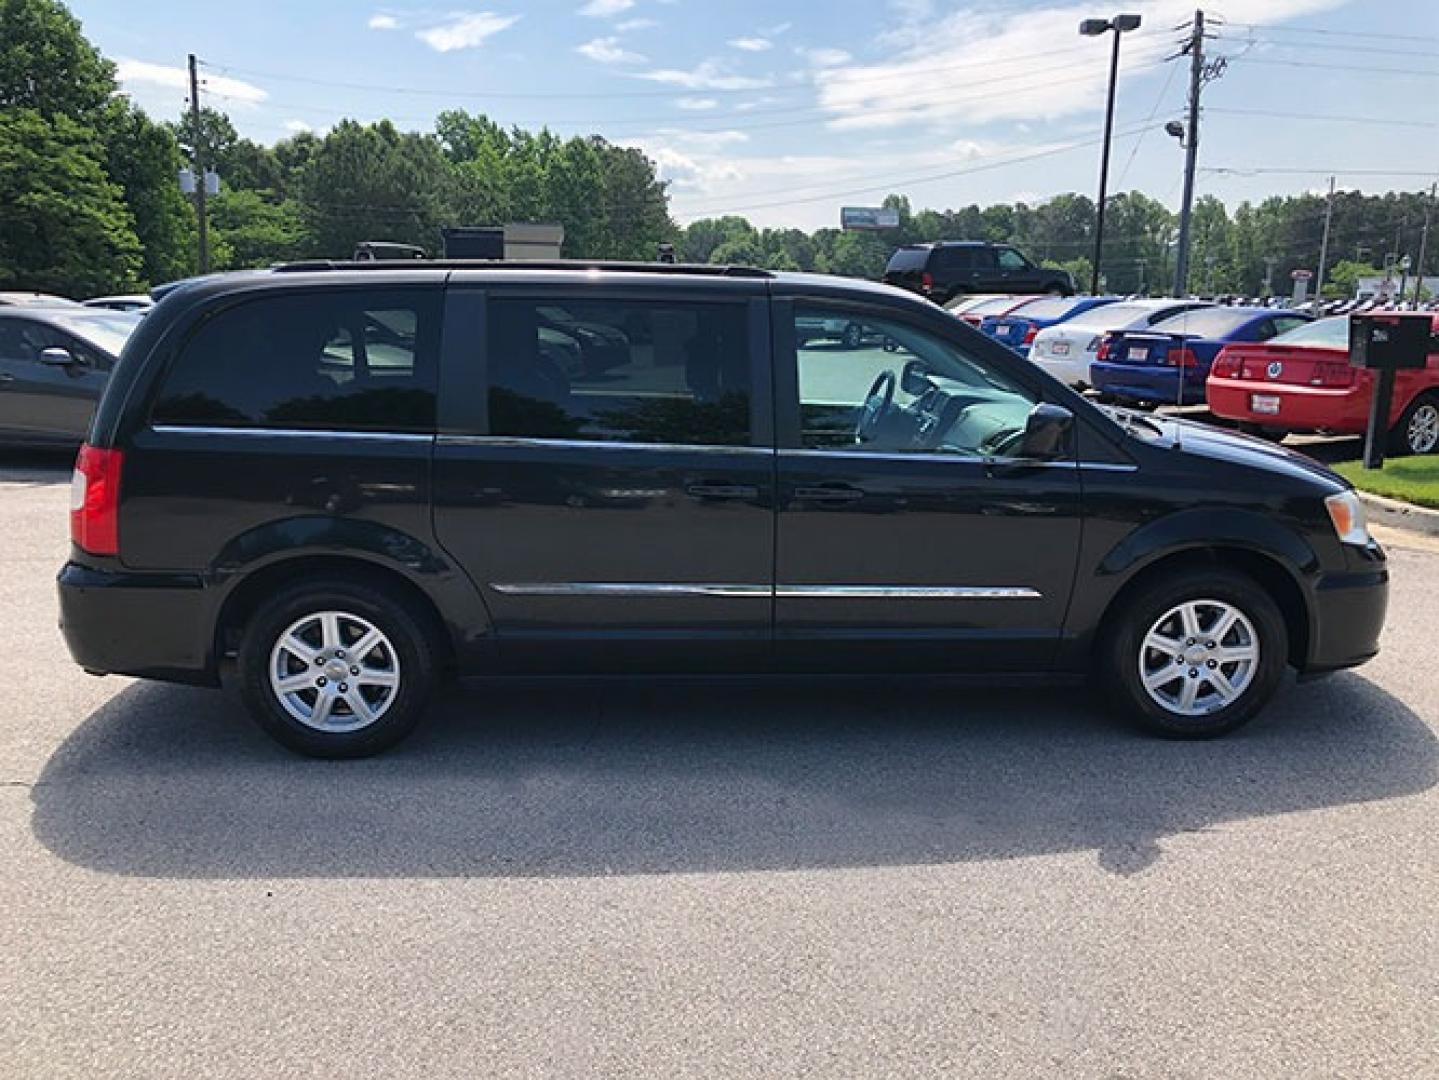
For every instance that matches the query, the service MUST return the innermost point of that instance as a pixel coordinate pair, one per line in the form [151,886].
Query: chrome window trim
[890,455]
[292,433]
[519,442]
[735,589]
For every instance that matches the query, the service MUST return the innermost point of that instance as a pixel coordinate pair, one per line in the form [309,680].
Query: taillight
[1104,349]
[95,501]
[1226,366]
[1029,334]
[1182,358]
[926,281]
[1332,374]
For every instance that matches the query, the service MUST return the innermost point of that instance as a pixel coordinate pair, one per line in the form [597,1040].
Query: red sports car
[1302,381]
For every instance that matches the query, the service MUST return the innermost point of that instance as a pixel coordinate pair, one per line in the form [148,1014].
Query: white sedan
[1066,349]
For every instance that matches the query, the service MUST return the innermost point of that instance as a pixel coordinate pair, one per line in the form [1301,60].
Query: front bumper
[156,626]
[1348,613]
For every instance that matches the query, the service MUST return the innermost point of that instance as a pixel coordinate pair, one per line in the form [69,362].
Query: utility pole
[1191,151]
[1423,247]
[198,164]
[1323,249]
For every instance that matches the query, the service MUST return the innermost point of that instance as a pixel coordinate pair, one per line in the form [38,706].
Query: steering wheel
[877,404]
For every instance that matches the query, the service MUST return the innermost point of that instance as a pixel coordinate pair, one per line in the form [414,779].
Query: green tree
[47,65]
[255,231]
[144,159]
[64,226]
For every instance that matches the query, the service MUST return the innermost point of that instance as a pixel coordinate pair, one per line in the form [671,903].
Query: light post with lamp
[1120,24]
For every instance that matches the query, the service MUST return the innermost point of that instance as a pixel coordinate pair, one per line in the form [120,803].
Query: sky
[784,111]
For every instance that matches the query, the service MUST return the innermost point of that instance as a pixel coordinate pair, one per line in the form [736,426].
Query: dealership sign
[868,217]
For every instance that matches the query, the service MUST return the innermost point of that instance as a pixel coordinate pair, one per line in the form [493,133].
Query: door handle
[828,494]
[722,491]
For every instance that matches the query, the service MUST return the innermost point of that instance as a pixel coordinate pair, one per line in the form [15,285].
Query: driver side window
[870,383]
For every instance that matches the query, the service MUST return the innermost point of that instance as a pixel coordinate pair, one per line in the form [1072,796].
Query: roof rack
[691,269]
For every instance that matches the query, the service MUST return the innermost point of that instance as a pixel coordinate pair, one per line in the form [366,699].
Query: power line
[1317,170]
[1328,47]
[1328,117]
[1272,28]
[1247,60]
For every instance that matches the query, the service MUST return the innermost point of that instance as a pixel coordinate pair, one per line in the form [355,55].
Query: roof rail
[693,269]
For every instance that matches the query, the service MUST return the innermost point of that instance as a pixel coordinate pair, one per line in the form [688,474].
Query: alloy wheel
[1199,657]
[334,671]
[1422,434]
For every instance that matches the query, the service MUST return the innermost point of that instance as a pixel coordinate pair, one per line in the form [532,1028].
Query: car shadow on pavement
[36,467]
[603,777]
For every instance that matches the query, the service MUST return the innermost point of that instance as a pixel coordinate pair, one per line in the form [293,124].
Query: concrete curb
[1394,514]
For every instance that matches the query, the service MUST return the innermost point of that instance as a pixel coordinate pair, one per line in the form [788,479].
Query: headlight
[1346,511]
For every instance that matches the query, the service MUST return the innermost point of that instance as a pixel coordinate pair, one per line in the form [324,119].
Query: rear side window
[907,259]
[356,360]
[620,371]
[955,258]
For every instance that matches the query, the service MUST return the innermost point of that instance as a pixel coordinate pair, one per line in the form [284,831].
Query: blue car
[1017,329]
[1169,362]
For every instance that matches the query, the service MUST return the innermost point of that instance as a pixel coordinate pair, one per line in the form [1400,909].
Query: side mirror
[1046,433]
[914,380]
[57,357]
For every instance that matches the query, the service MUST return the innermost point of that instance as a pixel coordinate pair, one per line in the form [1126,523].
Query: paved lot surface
[716,880]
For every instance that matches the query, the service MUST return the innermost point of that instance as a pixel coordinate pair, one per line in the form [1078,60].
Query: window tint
[953,403]
[983,258]
[907,258]
[21,339]
[623,371]
[955,258]
[1009,259]
[352,360]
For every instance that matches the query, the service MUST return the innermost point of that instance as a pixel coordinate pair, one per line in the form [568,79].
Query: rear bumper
[1136,383]
[1301,408]
[1073,371]
[155,626]
[1349,614]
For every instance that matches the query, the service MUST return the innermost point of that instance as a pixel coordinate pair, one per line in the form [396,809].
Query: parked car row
[1270,369]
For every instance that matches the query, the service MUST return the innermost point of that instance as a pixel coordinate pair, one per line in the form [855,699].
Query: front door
[39,401]
[605,473]
[911,535]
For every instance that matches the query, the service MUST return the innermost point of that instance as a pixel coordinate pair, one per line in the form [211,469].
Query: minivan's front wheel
[1198,654]
[336,669]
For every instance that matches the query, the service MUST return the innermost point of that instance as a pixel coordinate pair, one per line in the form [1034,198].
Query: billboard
[868,217]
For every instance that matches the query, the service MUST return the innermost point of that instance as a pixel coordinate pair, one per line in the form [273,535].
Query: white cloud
[822,57]
[140,73]
[708,75]
[383,22]
[981,62]
[607,50]
[629,25]
[751,44]
[297,126]
[466,30]
[697,104]
[606,9]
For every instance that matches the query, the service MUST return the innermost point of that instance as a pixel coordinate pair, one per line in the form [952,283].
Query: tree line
[89,199]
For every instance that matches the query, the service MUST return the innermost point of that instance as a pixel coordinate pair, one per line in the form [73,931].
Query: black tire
[1410,436]
[1121,660]
[853,336]
[392,614]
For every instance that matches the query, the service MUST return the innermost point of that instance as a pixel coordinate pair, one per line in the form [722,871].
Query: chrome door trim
[629,589]
[293,433]
[519,443]
[907,592]
[890,455]
[737,589]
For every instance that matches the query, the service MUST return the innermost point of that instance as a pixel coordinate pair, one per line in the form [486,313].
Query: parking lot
[741,878]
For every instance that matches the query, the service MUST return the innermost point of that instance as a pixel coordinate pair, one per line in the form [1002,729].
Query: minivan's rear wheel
[1198,654]
[336,669]
[1418,429]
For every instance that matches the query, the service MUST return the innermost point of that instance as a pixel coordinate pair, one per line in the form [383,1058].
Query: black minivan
[335,484]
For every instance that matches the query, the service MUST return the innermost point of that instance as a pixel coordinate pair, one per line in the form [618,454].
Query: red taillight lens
[1226,366]
[1182,358]
[1103,353]
[1030,334]
[1332,374]
[926,281]
[95,501]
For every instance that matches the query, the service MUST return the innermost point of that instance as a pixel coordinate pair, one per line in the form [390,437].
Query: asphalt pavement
[712,879]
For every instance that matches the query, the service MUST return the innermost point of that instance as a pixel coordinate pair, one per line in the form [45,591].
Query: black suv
[336,484]
[942,271]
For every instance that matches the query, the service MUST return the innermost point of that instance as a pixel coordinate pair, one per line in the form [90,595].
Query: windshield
[1215,322]
[107,331]
[1324,334]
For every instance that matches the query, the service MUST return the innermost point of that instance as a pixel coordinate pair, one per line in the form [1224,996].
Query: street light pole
[1093,28]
